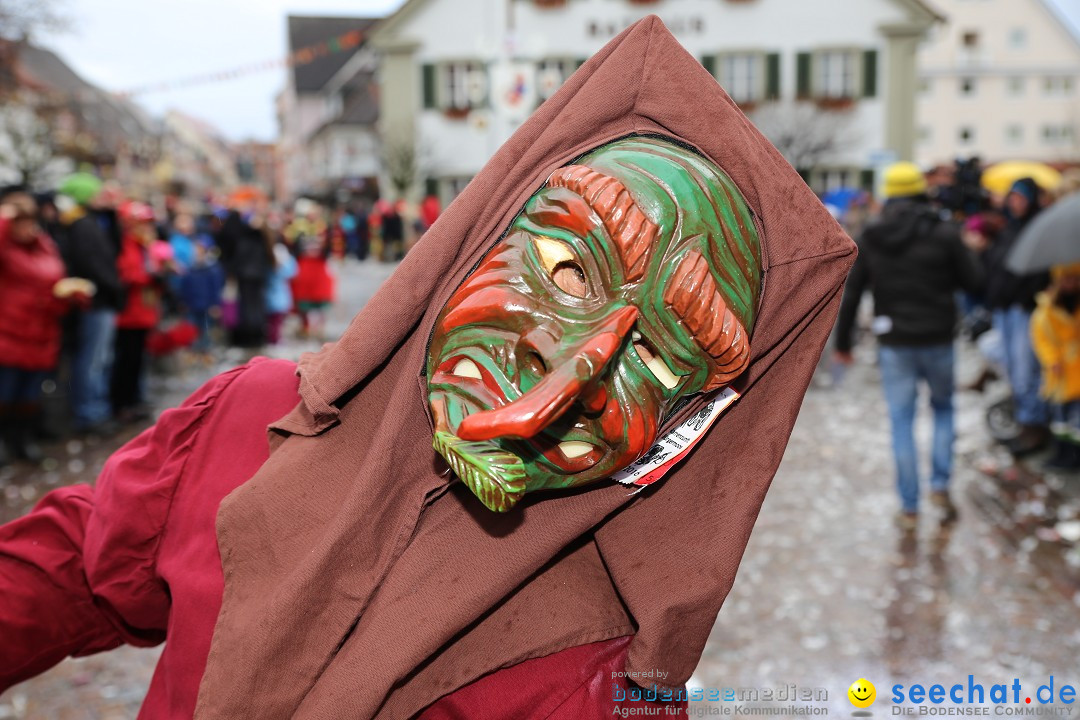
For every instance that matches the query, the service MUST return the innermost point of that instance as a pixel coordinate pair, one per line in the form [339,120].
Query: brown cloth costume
[361,582]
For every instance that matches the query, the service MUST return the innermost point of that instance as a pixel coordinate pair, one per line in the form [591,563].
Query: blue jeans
[1021,365]
[91,368]
[901,370]
[20,386]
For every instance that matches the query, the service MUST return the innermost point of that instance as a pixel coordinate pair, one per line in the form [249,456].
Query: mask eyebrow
[692,294]
[633,233]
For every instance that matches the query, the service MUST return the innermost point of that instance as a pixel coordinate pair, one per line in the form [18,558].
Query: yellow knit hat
[903,179]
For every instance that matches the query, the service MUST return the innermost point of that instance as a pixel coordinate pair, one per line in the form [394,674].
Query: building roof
[112,120]
[360,104]
[1066,22]
[305,31]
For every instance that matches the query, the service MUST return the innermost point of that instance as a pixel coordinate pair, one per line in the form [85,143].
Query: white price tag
[673,447]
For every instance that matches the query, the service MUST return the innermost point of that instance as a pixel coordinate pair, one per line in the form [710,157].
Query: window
[1018,38]
[966,135]
[742,77]
[925,134]
[1014,134]
[826,180]
[969,39]
[837,74]
[454,86]
[1058,86]
[1014,86]
[464,85]
[1057,135]
[968,86]
[926,85]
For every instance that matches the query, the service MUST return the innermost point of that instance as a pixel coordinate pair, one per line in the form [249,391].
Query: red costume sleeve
[78,574]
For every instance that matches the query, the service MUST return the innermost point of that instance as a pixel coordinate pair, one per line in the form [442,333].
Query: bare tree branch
[805,135]
[22,19]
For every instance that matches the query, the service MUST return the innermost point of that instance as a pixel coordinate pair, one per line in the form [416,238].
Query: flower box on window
[455,113]
[835,103]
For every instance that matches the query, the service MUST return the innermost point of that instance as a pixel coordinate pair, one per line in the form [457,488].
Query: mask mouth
[566,450]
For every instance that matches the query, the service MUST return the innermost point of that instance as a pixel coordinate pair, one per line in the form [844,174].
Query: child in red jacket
[139,271]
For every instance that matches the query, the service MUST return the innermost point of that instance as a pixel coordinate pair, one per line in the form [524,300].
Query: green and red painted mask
[627,282]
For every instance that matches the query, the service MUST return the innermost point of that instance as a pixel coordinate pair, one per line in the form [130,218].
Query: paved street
[829,591]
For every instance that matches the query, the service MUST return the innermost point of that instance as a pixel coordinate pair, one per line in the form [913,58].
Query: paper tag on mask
[673,447]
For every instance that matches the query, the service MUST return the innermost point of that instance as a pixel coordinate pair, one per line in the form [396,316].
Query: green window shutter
[579,62]
[429,86]
[866,180]
[709,63]
[431,186]
[870,72]
[487,87]
[772,76]
[804,62]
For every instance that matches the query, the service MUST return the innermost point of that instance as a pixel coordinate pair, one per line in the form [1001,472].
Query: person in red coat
[139,273]
[31,303]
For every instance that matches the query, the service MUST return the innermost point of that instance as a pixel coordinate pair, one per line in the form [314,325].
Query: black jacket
[90,253]
[914,262]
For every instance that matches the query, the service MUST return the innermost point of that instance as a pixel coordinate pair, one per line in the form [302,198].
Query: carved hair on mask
[627,282]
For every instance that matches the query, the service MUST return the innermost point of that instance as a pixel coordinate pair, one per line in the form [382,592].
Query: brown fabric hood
[360,582]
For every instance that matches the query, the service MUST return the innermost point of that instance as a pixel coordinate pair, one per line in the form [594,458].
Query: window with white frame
[742,76]
[926,86]
[464,85]
[1018,38]
[1057,135]
[1014,134]
[968,86]
[965,135]
[925,134]
[1058,85]
[837,74]
[1015,86]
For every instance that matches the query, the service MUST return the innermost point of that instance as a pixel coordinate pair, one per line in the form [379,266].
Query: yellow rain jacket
[1055,334]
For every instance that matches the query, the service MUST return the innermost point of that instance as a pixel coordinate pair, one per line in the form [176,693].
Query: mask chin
[494,475]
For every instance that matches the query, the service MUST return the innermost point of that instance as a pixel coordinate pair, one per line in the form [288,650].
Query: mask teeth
[495,476]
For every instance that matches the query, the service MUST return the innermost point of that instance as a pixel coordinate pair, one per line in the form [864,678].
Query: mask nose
[568,379]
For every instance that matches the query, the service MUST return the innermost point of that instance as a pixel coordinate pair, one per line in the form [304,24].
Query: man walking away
[914,261]
[90,254]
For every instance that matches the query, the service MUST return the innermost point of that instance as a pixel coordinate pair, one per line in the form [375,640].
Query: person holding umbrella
[1055,335]
[1010,296]
[1050,241]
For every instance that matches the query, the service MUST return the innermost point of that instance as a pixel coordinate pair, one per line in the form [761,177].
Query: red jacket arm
[78,574]
[46,609]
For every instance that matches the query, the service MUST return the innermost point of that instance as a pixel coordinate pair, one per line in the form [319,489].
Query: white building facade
[458,77]
[999,80]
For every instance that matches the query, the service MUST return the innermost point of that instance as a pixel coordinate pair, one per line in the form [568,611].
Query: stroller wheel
[1001,420]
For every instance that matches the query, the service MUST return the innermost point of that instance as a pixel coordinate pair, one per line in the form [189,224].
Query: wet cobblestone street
[829,590]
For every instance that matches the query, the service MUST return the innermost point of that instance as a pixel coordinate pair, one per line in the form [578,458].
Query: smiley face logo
[862,693]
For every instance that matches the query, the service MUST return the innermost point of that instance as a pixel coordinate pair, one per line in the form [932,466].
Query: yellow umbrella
[1000,177]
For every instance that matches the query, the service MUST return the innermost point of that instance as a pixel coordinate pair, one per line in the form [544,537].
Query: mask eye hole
[570,278]
[562,266]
